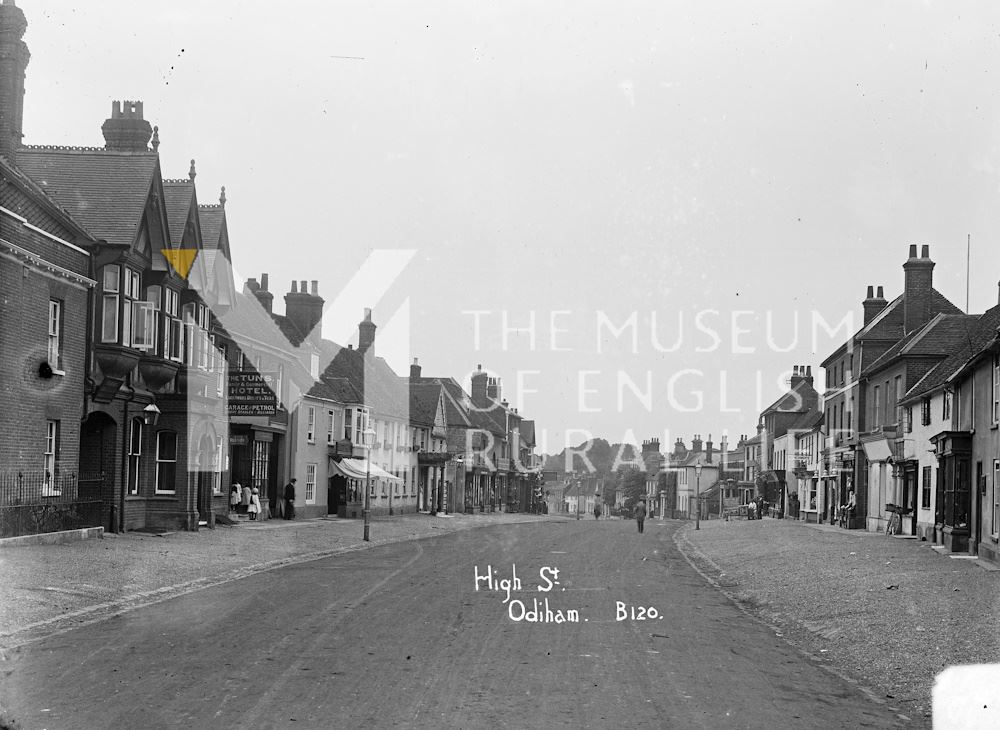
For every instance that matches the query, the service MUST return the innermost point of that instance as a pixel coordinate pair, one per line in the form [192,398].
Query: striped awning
[359,469]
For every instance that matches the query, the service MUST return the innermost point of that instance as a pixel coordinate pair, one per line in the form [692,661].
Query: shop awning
[877,450]
[358,469]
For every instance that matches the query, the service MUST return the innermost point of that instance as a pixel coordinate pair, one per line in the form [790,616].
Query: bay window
[109,318]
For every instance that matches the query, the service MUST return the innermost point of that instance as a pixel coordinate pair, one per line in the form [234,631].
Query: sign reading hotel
[251,393]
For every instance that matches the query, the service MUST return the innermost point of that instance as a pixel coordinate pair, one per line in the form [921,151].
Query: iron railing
[37,487]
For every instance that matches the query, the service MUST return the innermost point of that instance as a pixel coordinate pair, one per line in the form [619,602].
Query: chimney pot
[263,281]
[295,287]
[880,294]
[871,291]
[925,251]
[913,250]
[315,286]
[303,287]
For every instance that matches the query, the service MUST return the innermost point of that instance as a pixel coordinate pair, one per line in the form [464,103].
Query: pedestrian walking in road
[640,514]
[597,508]
[290,499]
[254,507]
[245,502]
[235,496]
[751,510]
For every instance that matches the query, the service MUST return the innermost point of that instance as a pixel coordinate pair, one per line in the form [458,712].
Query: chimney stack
[305,310]
[873,304]
[480,381]
[260,291]
[696,444]
[708,449]
[14,58]
[126,131]
[366,332]
[918,275]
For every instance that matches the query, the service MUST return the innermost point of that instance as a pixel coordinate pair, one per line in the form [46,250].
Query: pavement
[49,589]
[885,612]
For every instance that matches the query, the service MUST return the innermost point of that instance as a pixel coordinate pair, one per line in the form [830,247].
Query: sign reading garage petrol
[252,393]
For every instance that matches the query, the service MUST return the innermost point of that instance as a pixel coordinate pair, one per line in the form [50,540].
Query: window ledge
[61,373]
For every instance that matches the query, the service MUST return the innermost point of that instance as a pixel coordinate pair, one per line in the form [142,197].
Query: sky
[729,178]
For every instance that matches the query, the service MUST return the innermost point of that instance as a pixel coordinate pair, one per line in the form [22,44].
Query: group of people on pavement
[757,508]
[246,501]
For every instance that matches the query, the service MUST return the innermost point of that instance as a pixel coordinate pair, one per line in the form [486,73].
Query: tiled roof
[383,390]
[801,395]
[941,335]
[972,337]
[888,323]
[456,401]
[105,190]
[34,191]
[212,218]
[528,432]
[424,398]
[336,389]
[178,196]
[808,420]
[288,329]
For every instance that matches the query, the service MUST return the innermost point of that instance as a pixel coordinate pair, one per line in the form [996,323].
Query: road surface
[398,636]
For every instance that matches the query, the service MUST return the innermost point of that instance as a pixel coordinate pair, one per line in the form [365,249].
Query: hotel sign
[252,393]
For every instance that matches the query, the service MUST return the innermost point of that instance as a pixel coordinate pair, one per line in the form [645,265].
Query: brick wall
[28,400]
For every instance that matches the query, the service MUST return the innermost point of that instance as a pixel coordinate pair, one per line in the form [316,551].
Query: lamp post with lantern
[697,496]
[368,439]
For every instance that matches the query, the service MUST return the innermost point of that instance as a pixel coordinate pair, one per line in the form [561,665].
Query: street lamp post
[662,496]
[697,496]
[368,438]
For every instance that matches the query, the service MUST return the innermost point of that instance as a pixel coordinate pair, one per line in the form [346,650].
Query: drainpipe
[125,429]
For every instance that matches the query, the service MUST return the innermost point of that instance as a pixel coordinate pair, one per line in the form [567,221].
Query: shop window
[260,465]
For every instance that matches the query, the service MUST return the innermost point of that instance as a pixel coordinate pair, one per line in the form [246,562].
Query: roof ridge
[82,148]
[212,206]
[186,181]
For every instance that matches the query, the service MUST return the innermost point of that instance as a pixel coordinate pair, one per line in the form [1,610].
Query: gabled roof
[104,189]
[528,432]
[940,336]
[973,334]
[798,399]
[456,401]
[213,227]
[887,325]
[371,377]
[178,196]
[424,399]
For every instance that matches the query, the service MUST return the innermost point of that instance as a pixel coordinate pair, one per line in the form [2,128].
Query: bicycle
[894,525]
